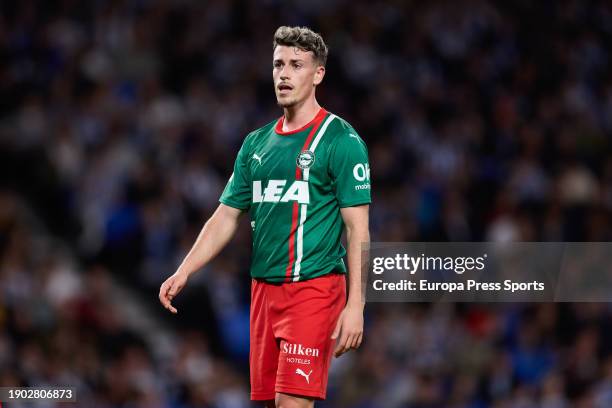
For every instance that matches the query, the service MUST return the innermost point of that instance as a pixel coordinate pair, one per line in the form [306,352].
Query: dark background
[119,124]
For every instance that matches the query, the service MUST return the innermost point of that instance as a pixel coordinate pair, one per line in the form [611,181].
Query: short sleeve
[350,170]
[237,192]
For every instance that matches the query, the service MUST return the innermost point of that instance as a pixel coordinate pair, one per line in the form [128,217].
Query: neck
[300,114]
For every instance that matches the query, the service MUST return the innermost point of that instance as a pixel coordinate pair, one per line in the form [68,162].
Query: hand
[350,330]
[170,288]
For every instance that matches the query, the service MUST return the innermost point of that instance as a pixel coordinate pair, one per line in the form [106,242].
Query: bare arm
[350,323]
[213,237]
[357,232]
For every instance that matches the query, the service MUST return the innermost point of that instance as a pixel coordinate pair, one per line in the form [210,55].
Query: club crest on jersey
[305,159]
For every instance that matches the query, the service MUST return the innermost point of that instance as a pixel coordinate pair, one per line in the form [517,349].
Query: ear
[319,74]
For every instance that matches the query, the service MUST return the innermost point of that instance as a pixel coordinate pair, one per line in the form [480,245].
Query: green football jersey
[293,184]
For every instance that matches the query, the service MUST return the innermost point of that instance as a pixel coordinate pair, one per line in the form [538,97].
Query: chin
[286,103]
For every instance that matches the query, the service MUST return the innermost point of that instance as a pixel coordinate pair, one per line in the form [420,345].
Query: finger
[353,343]
[162,292]
[174,289]
[165,299]
[359,340]
[168,305]
[166,302]
[337,329]
[338,348]
[347,344]
[342,345]
[172,308]
[167,286]
[349,341]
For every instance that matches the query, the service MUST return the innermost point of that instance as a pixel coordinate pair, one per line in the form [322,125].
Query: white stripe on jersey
[317,138]
[306,173]
[300,244]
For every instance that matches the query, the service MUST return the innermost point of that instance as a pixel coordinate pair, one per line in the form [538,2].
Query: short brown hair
[303,38]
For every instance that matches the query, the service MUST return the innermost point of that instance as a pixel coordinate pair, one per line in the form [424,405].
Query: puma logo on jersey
[303,374]
[275,192]
[258,158]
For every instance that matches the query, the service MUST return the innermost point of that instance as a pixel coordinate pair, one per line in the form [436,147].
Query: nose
[284,73]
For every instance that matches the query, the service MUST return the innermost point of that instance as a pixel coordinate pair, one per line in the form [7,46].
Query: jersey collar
[318,118]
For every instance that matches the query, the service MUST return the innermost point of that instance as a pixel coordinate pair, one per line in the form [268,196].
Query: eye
[277,64]
[297,65]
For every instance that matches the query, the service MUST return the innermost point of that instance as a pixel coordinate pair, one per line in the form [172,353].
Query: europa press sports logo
[305,159]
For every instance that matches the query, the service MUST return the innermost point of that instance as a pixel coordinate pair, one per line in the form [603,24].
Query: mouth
[284,88]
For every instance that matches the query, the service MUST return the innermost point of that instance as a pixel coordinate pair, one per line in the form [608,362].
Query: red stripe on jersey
[294,219]
[298,176]
[319,120]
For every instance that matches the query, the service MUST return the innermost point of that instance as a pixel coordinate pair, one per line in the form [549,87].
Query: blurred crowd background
[119,124]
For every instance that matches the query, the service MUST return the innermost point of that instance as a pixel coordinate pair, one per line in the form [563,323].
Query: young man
[303,178]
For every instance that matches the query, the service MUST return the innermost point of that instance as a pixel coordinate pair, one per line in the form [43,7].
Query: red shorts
[291,328]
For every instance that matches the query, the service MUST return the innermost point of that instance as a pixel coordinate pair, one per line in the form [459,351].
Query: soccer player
[303,178]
